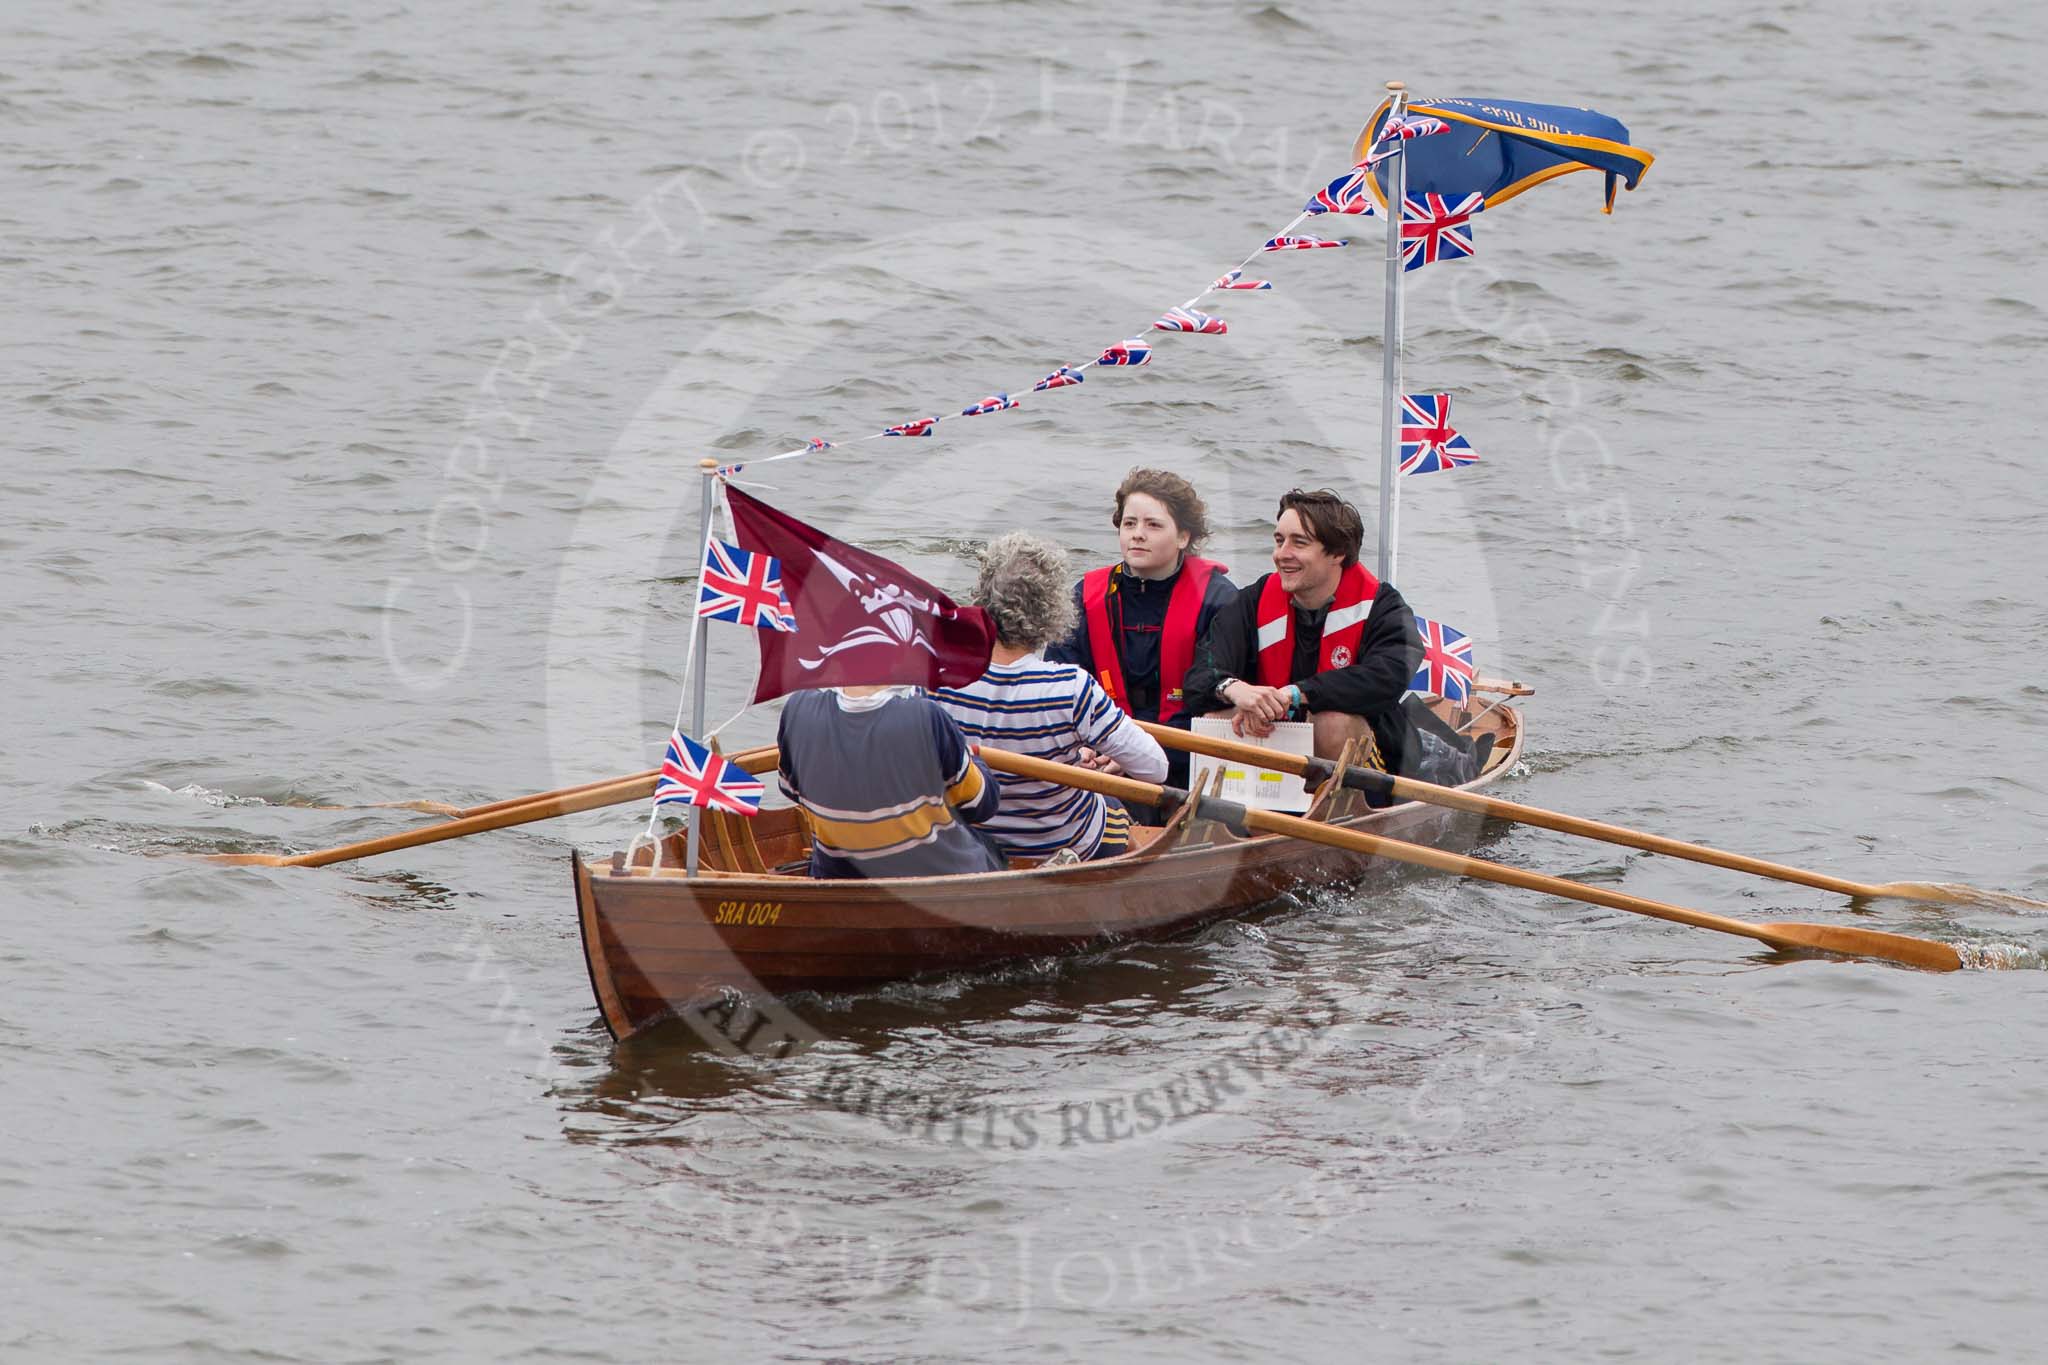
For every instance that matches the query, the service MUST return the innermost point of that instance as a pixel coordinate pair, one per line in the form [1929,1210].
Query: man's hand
[1244,722]
[1264,704]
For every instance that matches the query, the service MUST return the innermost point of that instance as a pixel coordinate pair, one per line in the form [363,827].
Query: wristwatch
[1224,687]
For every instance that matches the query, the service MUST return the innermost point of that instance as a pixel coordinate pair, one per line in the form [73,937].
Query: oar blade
[247,859]
[423,807]
[1927,954]
[1955,893]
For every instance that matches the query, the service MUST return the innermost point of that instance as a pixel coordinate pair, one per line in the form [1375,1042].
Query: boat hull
[659,944]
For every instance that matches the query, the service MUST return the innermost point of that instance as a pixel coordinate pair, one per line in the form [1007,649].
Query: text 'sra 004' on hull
[658,943]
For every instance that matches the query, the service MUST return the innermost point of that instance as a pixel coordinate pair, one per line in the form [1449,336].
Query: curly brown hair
[1179,496]
[1334,522]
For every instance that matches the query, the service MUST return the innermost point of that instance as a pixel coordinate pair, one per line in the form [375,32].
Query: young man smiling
[1320,634]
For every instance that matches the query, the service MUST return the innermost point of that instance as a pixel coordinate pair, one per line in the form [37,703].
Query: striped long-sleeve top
[1049,711]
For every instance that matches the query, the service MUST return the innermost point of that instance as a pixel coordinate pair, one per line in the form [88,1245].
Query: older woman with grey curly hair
[1053,711]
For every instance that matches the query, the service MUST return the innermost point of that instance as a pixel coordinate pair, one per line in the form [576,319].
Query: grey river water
[356,362]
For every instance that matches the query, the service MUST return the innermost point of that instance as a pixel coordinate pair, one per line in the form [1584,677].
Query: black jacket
[1390,650]
[1137,612]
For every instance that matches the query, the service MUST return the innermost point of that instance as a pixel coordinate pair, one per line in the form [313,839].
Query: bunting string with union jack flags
[1131,352]
[1433,229]
[744,587]
[1428,443]
[1188,320]
[1446,662]
[1501,148]
[692,775]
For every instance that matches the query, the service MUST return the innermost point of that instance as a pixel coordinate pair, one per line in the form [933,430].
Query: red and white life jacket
[1176,643]
[1343,628]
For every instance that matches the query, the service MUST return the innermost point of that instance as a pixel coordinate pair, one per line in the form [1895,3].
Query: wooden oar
[755,760]
[512,801]
[1378,784]
[469,812]
[464,813]
[589,798]
[518,810]
[1828,938]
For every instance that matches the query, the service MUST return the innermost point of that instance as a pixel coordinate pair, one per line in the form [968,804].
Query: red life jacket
[1343,628]
[1176,643]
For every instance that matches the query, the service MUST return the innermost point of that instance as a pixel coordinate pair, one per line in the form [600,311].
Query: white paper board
[1260,788]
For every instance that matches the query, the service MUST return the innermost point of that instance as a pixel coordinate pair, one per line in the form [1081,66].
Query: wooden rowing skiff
[659,943]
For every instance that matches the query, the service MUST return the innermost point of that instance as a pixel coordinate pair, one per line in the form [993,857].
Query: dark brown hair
[1177,493]
[1331,520]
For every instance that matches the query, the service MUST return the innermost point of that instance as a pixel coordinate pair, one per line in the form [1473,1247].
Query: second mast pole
[1390,387]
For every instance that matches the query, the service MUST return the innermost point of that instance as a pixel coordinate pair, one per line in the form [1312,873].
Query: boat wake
[218,799]
[2001,957]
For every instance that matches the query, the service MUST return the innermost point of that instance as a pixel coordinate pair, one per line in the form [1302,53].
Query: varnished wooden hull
[662,945]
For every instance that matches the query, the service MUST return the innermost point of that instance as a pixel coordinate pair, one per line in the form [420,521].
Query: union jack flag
[1235,280]
[995,402]
[1435,230]
[692,775]
[1446,662]
[819,443]
[1129,351]
[1427,441]
[1300,243]
[1397,131]
[1188,320]
[1058,379]
[743,587]
[1345,194]
[1403,129]
[921,427]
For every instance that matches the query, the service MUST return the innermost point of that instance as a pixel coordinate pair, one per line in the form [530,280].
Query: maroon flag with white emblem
[859,618]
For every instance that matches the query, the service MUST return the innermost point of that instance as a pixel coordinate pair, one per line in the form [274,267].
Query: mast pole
[694,814]
[1390,387]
